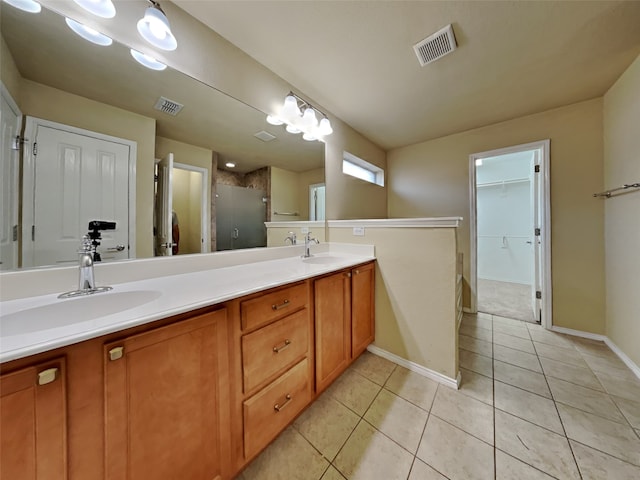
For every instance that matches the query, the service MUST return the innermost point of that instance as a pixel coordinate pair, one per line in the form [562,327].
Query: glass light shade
[26,5]
[292,129]
[325,127]
[274,120]
[154,28]
[101,8]
[89,33]
[290,109]
[309,137]
[309,119]
[147,61]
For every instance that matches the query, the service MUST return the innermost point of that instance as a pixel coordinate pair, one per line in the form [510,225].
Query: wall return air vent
[168,106]
[435,46]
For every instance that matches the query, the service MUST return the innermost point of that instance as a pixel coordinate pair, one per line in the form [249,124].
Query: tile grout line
[493,403]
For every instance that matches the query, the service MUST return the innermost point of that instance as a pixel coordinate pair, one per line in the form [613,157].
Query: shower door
[240,216]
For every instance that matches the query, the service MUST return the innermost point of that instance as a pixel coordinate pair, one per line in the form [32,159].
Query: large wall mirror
[94,146]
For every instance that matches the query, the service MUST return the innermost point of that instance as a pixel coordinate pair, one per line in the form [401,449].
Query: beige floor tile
[612,366]
[521,378]
[528,406]
[560,354]
[570,373]
[586,399]
[536,446]
[517,357]
[476,332]
[374,367]
[354,391]
[412,386]
[592,347]
[464,412]
[513,342]
[480,319]
[629,389]
[550,338]
[289,457]
[442,447]
[369,454]
[630,409]
[613,438]
[422,471]
[332,474]
[474,345]
[514,331]
[476,363]
[595,465]
[509,468]
[327,424]
[511,322]
[476,386]
[398,419]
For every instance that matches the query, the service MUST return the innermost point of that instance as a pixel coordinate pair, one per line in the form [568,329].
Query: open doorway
[510,233]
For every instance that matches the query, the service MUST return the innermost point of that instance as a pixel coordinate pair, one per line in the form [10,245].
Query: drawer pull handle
[278,307]
[277,407]
[47,376]
[278,349]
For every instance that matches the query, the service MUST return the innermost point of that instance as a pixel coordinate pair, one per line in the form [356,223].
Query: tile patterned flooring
[533,404]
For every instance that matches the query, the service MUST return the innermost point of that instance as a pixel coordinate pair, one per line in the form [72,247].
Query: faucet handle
[85,246]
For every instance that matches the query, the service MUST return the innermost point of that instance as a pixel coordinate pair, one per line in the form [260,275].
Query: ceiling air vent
[435,46]
[264,136]
[168,106]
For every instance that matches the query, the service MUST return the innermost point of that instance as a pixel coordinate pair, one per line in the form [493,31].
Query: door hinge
[14,233]
[536,168]
[35,148]
[536,231]
[538,294]
[33,233]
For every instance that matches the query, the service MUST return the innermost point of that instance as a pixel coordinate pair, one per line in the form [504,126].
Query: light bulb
[309,137]
[325,127]
[309,119]
[101,8]
[154,28]
[89,33]
[274,120]
[292,129]
[147,61]
[290,110]
[25,5]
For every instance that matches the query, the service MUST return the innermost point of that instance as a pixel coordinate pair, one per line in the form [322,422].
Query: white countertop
[41,323]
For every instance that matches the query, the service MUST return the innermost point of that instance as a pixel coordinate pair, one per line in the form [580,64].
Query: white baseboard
[467,310]
[414,367]
[603,338]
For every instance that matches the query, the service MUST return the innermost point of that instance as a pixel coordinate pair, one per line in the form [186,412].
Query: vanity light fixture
[100,8]
[89,33]
[30,6]
[230,165]
[301,117]
[147,61]
[154,28]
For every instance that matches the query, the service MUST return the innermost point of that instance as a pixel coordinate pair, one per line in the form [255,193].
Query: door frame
[312,188]
[205,219]
[29,171]
[544,200]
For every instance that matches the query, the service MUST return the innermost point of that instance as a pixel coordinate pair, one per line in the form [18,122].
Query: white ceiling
[355,58]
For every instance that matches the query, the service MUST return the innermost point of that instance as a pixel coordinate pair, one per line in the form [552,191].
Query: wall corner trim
[414,367]
[603,338]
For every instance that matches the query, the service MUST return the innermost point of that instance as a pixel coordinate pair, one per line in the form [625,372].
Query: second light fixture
[300,117]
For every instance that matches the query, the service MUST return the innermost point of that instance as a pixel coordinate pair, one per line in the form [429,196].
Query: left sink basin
[62,313]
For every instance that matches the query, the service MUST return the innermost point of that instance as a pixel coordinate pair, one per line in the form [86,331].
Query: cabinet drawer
[268,412]
[274,348]
[266,308]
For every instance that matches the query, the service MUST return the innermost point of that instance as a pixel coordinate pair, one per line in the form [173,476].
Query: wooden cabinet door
[33,420]
[333,327]
[362,308]
[167,402]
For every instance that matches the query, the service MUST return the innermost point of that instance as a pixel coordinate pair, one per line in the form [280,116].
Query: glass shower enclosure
[240,216]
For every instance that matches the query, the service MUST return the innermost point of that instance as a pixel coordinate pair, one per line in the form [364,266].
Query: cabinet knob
[277,407]
[47,376]
[357,272]
[348,274]
[116,353]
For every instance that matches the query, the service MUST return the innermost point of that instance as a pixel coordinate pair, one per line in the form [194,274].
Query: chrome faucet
[291,238]
[86,279]
[307,242]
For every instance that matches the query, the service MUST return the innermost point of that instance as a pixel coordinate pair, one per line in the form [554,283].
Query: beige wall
[9,72]
[415,293]
[431,179]
[206,56]
[622,225]
[305,179]
[187,201]
[52,104]
[284,195]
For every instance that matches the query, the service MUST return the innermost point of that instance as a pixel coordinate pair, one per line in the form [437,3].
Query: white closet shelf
[503,182]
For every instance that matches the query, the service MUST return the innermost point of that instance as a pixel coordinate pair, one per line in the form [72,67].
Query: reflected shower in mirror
[97,125]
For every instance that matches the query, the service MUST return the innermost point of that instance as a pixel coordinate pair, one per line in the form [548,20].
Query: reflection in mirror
[74,96]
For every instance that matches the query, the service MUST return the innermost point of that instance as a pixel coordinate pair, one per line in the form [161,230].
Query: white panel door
[77,178]
[10,120]
[164,207]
